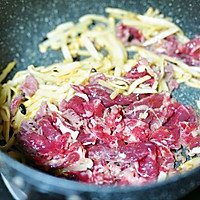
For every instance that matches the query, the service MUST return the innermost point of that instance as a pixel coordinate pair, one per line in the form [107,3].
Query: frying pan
[24,24]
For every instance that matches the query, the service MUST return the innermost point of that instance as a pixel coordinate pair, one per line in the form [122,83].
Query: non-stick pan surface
[24,24]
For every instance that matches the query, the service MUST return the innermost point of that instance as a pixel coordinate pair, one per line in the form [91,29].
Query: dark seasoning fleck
[22,109]
[93,70]
[130,38]
[76,58]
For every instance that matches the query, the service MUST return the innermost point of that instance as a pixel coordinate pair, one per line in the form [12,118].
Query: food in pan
[105,114]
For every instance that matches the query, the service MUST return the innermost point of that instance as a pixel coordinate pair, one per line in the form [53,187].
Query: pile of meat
[171,46]
[95,139]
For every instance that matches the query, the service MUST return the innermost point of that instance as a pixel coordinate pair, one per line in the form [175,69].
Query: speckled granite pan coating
[24,24]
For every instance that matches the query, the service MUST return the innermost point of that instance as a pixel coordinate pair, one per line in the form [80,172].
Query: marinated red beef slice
[169,136]
[85,138]
[141,69]
[189,131]
[30,85]
[15,103]
[195,143]
[48,142]
[82,107]
[152,110]
[96,91]
[76,103]
[179,113]
[125,153]
[132,131]
[149,166]
[29,88]
[188,52]
[129,35]
[165,158]
[124,148]
[192,49]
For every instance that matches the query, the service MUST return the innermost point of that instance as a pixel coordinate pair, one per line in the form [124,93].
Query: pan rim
[44,181]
